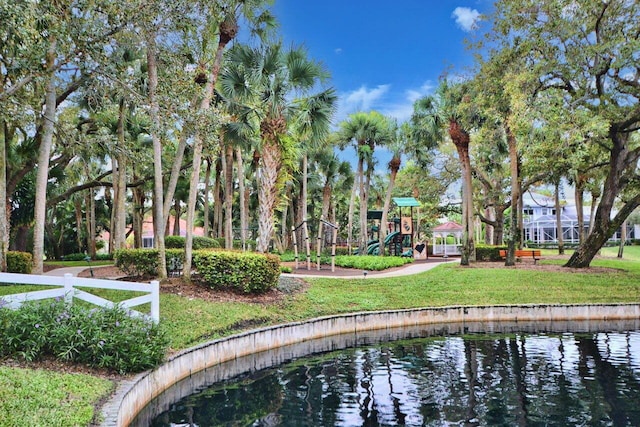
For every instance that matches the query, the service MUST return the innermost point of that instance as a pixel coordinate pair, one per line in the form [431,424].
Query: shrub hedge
[99,337]
[371,262]
[177,242]
[244,272]
[144,262]
[489,253]
[19,262]
[74,257]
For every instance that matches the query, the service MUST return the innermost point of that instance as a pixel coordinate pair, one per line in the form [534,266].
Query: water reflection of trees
[566,379]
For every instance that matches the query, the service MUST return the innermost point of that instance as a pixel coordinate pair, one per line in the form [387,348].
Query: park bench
[524,253]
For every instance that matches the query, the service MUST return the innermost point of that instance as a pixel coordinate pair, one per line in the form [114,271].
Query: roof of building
[403,202]
[448,226]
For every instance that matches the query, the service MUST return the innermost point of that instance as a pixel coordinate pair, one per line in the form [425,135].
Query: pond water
[506,378]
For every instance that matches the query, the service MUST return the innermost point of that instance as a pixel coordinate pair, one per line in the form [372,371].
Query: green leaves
[96,337]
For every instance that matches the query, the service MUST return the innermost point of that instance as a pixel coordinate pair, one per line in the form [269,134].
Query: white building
[539,225]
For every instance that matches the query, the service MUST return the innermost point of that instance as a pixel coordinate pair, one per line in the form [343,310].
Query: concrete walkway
[409,269]
[416,267]
[74,271]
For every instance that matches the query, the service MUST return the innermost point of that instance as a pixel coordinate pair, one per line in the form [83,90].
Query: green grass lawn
[192,321]
[62,264]
[41,398]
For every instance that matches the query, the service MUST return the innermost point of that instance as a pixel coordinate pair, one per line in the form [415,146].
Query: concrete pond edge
[132,395]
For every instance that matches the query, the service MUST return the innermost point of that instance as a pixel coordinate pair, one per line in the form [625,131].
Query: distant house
[539,220]
[147,231]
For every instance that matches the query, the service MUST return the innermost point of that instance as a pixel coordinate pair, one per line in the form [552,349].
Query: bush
[371,262]
[243,272]
[178,242]
[104,257]
[19,262]
[144,262]
[74,257]
[137,262]
[99,337]
[489,253]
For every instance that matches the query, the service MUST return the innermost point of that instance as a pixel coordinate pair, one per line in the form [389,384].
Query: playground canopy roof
[404,202]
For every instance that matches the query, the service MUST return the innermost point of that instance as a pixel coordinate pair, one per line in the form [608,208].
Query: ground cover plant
[105,338]
[40,398]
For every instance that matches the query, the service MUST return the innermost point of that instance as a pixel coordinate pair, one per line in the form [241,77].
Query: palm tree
[365,131]
[397,146]
[312,123]
[267,77]
[446,111]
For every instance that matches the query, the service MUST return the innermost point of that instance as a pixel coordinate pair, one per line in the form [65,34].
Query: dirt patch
[526,264]
[65,367]
[177,286]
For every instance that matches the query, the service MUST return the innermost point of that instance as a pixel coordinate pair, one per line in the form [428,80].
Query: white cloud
[361,99]
[466,18]
[403,109]
[338,51]
[380,98]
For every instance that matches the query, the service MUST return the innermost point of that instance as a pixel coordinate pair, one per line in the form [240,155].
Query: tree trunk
[559,230]
[217,200]
[592,211]
[623,238]
[461,139]
[120,185]
[385,208]
[177,213]
[228,197]
[207,191]
[514,229]
[138,216]
[42,177]
[489,233]
[244,223]
[352,207]
[175,175]
[91,238]
[154,113]
[77,208]
[579,196]
[498,227]
[195,170]
[302,200]
[270,162]
[4,218]
[362,241]
[603,225]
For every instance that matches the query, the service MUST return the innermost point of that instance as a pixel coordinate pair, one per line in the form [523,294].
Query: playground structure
[400,234]
[400,230]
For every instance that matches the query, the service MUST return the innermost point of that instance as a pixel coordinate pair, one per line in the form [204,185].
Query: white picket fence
[70,287]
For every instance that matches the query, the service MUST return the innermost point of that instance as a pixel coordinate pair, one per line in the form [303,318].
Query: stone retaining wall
[133,395]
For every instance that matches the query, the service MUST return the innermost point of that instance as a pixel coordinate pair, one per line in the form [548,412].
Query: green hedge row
[19,262]
[178,242]
[244,272]
[144,262]
[489,253]
[371,262]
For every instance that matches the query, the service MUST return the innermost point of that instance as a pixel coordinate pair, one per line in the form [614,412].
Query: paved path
[74,271]
[413,268]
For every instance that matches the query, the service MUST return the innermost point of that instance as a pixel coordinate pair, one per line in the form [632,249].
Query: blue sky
[383,55]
